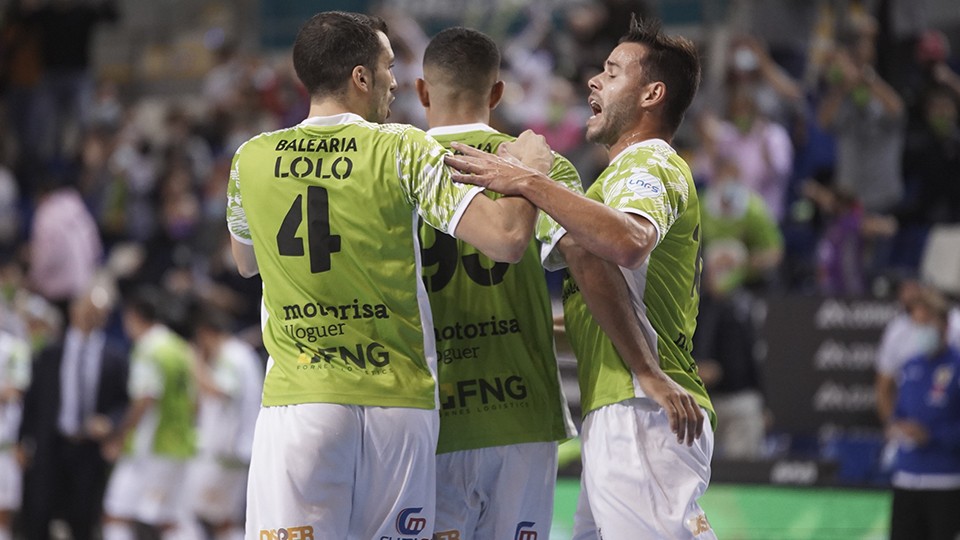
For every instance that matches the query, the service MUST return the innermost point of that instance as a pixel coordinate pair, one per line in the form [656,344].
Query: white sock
[118,530]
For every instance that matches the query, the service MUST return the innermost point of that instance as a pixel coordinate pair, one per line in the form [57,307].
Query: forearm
[829,107]
[608,233]
[606,295]
[886,388]
[888,97]
[138,408]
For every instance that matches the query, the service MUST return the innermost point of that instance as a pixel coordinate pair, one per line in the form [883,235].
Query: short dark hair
[673,60]
[467,57]
[330,44]
[145,302]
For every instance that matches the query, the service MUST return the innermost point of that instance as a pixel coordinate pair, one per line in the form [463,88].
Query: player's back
[494,331]
[331,209]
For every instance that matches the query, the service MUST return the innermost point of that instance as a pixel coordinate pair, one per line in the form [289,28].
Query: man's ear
[361,78]
[653,94]
[496,94]
[422,92]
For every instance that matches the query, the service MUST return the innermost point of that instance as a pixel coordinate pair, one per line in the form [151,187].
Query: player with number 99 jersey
[346,318]
[494,328]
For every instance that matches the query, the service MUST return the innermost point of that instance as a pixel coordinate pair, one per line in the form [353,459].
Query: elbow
[633,251]
[247,271]
[511,251]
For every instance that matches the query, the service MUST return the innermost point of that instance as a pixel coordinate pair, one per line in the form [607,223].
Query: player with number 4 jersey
[327,213]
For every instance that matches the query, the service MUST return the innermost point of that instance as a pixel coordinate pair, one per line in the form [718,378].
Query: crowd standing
[818,172]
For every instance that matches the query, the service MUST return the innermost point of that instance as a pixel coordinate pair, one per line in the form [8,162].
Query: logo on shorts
[288,533]
[524,532]
[698,524]
[447,535]
[407,523]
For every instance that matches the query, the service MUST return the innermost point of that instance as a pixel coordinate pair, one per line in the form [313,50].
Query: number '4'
[319,240]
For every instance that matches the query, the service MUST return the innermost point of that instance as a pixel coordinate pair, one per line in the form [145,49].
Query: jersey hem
[557,437]
[245,241]
[458,215]
[363,401]
[649,218]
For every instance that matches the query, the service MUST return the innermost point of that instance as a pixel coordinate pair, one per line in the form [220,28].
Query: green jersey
[499,382]
[160,366]
[648,179]
[330,207]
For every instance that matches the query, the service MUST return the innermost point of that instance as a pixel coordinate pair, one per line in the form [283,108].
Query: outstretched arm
[608,233]
[605,292]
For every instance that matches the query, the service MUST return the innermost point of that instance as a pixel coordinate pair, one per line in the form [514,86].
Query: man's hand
[908,431]
[531,149]
[503,175]
[686,417]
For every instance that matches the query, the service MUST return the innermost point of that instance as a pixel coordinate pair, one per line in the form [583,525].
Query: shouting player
[638,382]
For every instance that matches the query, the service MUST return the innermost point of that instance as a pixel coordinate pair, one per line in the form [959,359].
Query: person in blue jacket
[926,427]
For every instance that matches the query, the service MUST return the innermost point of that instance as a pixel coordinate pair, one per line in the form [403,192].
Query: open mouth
[595,107]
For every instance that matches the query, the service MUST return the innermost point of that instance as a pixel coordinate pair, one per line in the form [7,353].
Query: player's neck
[444,114]
[329,107]
[640,134]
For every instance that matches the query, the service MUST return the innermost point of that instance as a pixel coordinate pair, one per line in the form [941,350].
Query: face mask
[860,96]
[926,339]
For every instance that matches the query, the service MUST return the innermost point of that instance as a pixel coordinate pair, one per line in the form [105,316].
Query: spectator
[77,399]
[867,116]
[932,162]
[66,31]
[65,247]
[731,211]
[760,150]
[841,250]
[926,427]
[724,351]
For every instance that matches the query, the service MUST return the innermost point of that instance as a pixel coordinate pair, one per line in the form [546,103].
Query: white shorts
[498,492]
[637,480]
[148,489]
[322,470]
[11,481]
[217,493]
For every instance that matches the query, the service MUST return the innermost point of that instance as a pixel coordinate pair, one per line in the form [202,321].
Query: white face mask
[926,338]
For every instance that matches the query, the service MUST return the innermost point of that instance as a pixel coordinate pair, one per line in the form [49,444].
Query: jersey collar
[634,146]
[345,118]
[459,128]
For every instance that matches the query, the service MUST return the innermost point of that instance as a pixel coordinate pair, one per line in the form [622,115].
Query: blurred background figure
[925,427]
[731,211]
[65,246]
[157,436]
[77,400]
[14,379]
[230,378]
[724,349]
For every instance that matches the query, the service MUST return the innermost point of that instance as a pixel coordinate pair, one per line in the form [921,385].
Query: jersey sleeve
[146,381]
[426,180]
[236,217]
[656,193]
[548,231]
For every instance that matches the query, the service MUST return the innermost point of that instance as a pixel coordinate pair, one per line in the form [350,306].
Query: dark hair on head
[467,57]
[145,302]
[330,44]
[673,60]
[212,318]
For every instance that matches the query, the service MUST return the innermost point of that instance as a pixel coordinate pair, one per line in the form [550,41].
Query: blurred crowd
[823,164]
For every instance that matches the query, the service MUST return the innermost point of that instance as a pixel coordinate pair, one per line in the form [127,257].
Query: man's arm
[114,445]
[502,228]
[610,234]
[886,390]
[607,297]
[244,257]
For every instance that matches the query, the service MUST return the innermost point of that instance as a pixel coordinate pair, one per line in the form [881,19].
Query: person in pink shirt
[65,249]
